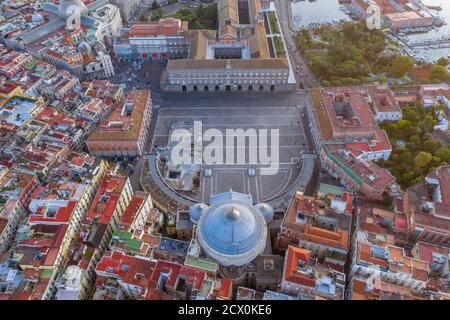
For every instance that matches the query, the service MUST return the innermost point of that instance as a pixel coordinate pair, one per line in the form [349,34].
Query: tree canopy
[201,18]
[422,159]
[443,62]
[347,54]
[419,154]
[401,65]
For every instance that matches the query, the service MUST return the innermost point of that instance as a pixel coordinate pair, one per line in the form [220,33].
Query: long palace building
[239,56]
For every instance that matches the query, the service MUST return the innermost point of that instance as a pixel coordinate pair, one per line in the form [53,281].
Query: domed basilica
[231,230]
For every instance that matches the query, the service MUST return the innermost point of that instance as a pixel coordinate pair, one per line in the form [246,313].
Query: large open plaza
[236,111]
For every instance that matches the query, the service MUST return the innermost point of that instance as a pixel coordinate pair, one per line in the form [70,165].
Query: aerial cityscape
[224,150]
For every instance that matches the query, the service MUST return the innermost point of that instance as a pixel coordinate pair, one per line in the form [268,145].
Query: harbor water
[311,13]
[433,52]
[308,13]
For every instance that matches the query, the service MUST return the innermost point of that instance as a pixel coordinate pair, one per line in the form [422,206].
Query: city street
[146,78]
[304,76]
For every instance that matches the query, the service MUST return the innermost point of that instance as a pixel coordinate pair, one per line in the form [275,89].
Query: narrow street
[134,178]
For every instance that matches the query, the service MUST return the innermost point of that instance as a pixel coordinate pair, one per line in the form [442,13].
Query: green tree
[444,154]
[443,62]
[200,11]
[157,14]
[438,73]
[142,17]
[402,124]
[387,199]
[155,5]
[431,146]
[401,65]
[382,79]
[422,159]
[415,139]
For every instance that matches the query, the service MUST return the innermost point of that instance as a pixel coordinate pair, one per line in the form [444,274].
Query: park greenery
[432,73]
[279,47]
[143,17]
[201,18]
[415,153]
[157,14]
[401,65]
[273,22]
[155,5]
[350,54]
[443,62]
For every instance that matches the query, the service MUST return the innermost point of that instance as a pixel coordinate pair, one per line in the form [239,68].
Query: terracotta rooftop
[167,26]
[296,257]
[120,126]
[222,63]
[337,239]
[300,203]
[132,270]
[344,113]
[382,99]
[424,251]
[132,209]
[62,214]
[104,203]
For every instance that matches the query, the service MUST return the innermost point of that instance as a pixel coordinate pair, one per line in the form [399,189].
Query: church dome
[266,211]
[37,18]
[196,211]
[232,232]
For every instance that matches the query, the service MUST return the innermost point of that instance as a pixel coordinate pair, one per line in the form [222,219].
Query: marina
[307,14]
[426,44]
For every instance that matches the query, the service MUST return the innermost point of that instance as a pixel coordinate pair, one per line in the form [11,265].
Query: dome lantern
[232,231]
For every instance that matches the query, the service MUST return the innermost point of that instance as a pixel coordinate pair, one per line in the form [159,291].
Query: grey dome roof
[266,210]
[232,232]
[196,211]
[37,18]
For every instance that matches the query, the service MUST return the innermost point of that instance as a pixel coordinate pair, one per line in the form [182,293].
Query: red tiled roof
[337,239]
[3,224]
[110,187]
[8,87]
[168,26]
[62,215]
[290,274]
[131,270]
[224,291]
[132,210]
[359,125]
[365,255]
[425,251]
